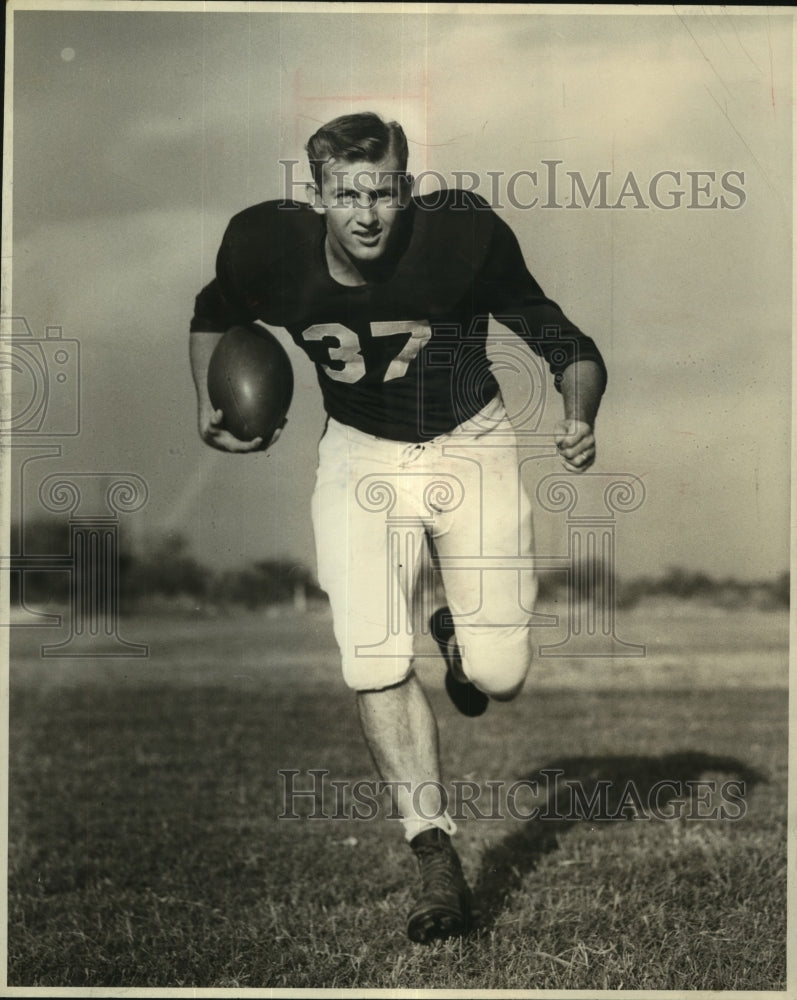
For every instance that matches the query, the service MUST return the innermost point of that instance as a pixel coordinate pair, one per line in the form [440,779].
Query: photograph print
[396,456]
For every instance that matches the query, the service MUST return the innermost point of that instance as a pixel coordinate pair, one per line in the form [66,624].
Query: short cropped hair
[363,136]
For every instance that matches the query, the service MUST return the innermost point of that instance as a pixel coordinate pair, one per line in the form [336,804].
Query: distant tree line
[679,584]
[161,569]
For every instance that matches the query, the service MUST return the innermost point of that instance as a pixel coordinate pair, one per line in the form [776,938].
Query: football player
[390,295]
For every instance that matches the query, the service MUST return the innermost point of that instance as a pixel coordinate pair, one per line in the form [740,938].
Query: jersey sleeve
[512,296]
[221,303]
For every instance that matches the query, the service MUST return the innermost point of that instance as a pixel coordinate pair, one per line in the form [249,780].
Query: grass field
[145,848]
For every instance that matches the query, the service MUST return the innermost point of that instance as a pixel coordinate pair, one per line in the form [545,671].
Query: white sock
[414,825]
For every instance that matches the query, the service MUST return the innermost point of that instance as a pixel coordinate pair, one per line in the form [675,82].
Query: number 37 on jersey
[345,348]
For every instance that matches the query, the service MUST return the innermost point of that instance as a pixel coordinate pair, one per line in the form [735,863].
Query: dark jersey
[403,357]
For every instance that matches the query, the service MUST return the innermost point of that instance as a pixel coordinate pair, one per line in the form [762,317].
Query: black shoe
[443,909]
[466,696]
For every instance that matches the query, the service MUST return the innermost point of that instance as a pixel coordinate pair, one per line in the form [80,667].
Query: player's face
[362,203]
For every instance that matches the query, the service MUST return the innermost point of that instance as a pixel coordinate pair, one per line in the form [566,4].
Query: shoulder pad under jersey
[451,233]
[271,251]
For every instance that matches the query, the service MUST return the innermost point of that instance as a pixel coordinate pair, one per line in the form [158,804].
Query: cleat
[443,909]
[467,698]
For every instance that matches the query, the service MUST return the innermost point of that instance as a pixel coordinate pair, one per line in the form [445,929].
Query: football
[250,379]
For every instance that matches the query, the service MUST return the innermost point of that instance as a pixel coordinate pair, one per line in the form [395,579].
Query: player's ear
[314,198]
[406,182]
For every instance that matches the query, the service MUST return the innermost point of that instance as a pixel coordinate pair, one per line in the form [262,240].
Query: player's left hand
[575,440]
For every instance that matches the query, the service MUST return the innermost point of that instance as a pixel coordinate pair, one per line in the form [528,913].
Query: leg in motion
[467,698]
[401,732]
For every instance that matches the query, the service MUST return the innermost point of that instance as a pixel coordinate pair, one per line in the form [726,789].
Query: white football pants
[374,502]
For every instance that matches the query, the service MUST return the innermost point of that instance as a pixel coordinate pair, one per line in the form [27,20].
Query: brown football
[250,379]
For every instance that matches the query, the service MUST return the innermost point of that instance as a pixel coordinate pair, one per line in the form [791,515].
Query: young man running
[390,296]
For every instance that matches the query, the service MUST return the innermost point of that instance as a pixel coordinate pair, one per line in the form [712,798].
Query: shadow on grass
[603,789]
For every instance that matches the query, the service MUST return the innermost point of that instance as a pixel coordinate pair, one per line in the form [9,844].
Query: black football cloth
[458,263]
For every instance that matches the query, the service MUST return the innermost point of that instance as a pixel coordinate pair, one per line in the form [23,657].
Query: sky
[137,134]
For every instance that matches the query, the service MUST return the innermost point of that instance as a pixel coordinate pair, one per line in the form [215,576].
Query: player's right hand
[213,433]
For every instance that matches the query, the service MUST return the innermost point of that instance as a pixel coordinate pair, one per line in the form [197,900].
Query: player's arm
[582,387]
[574,359]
